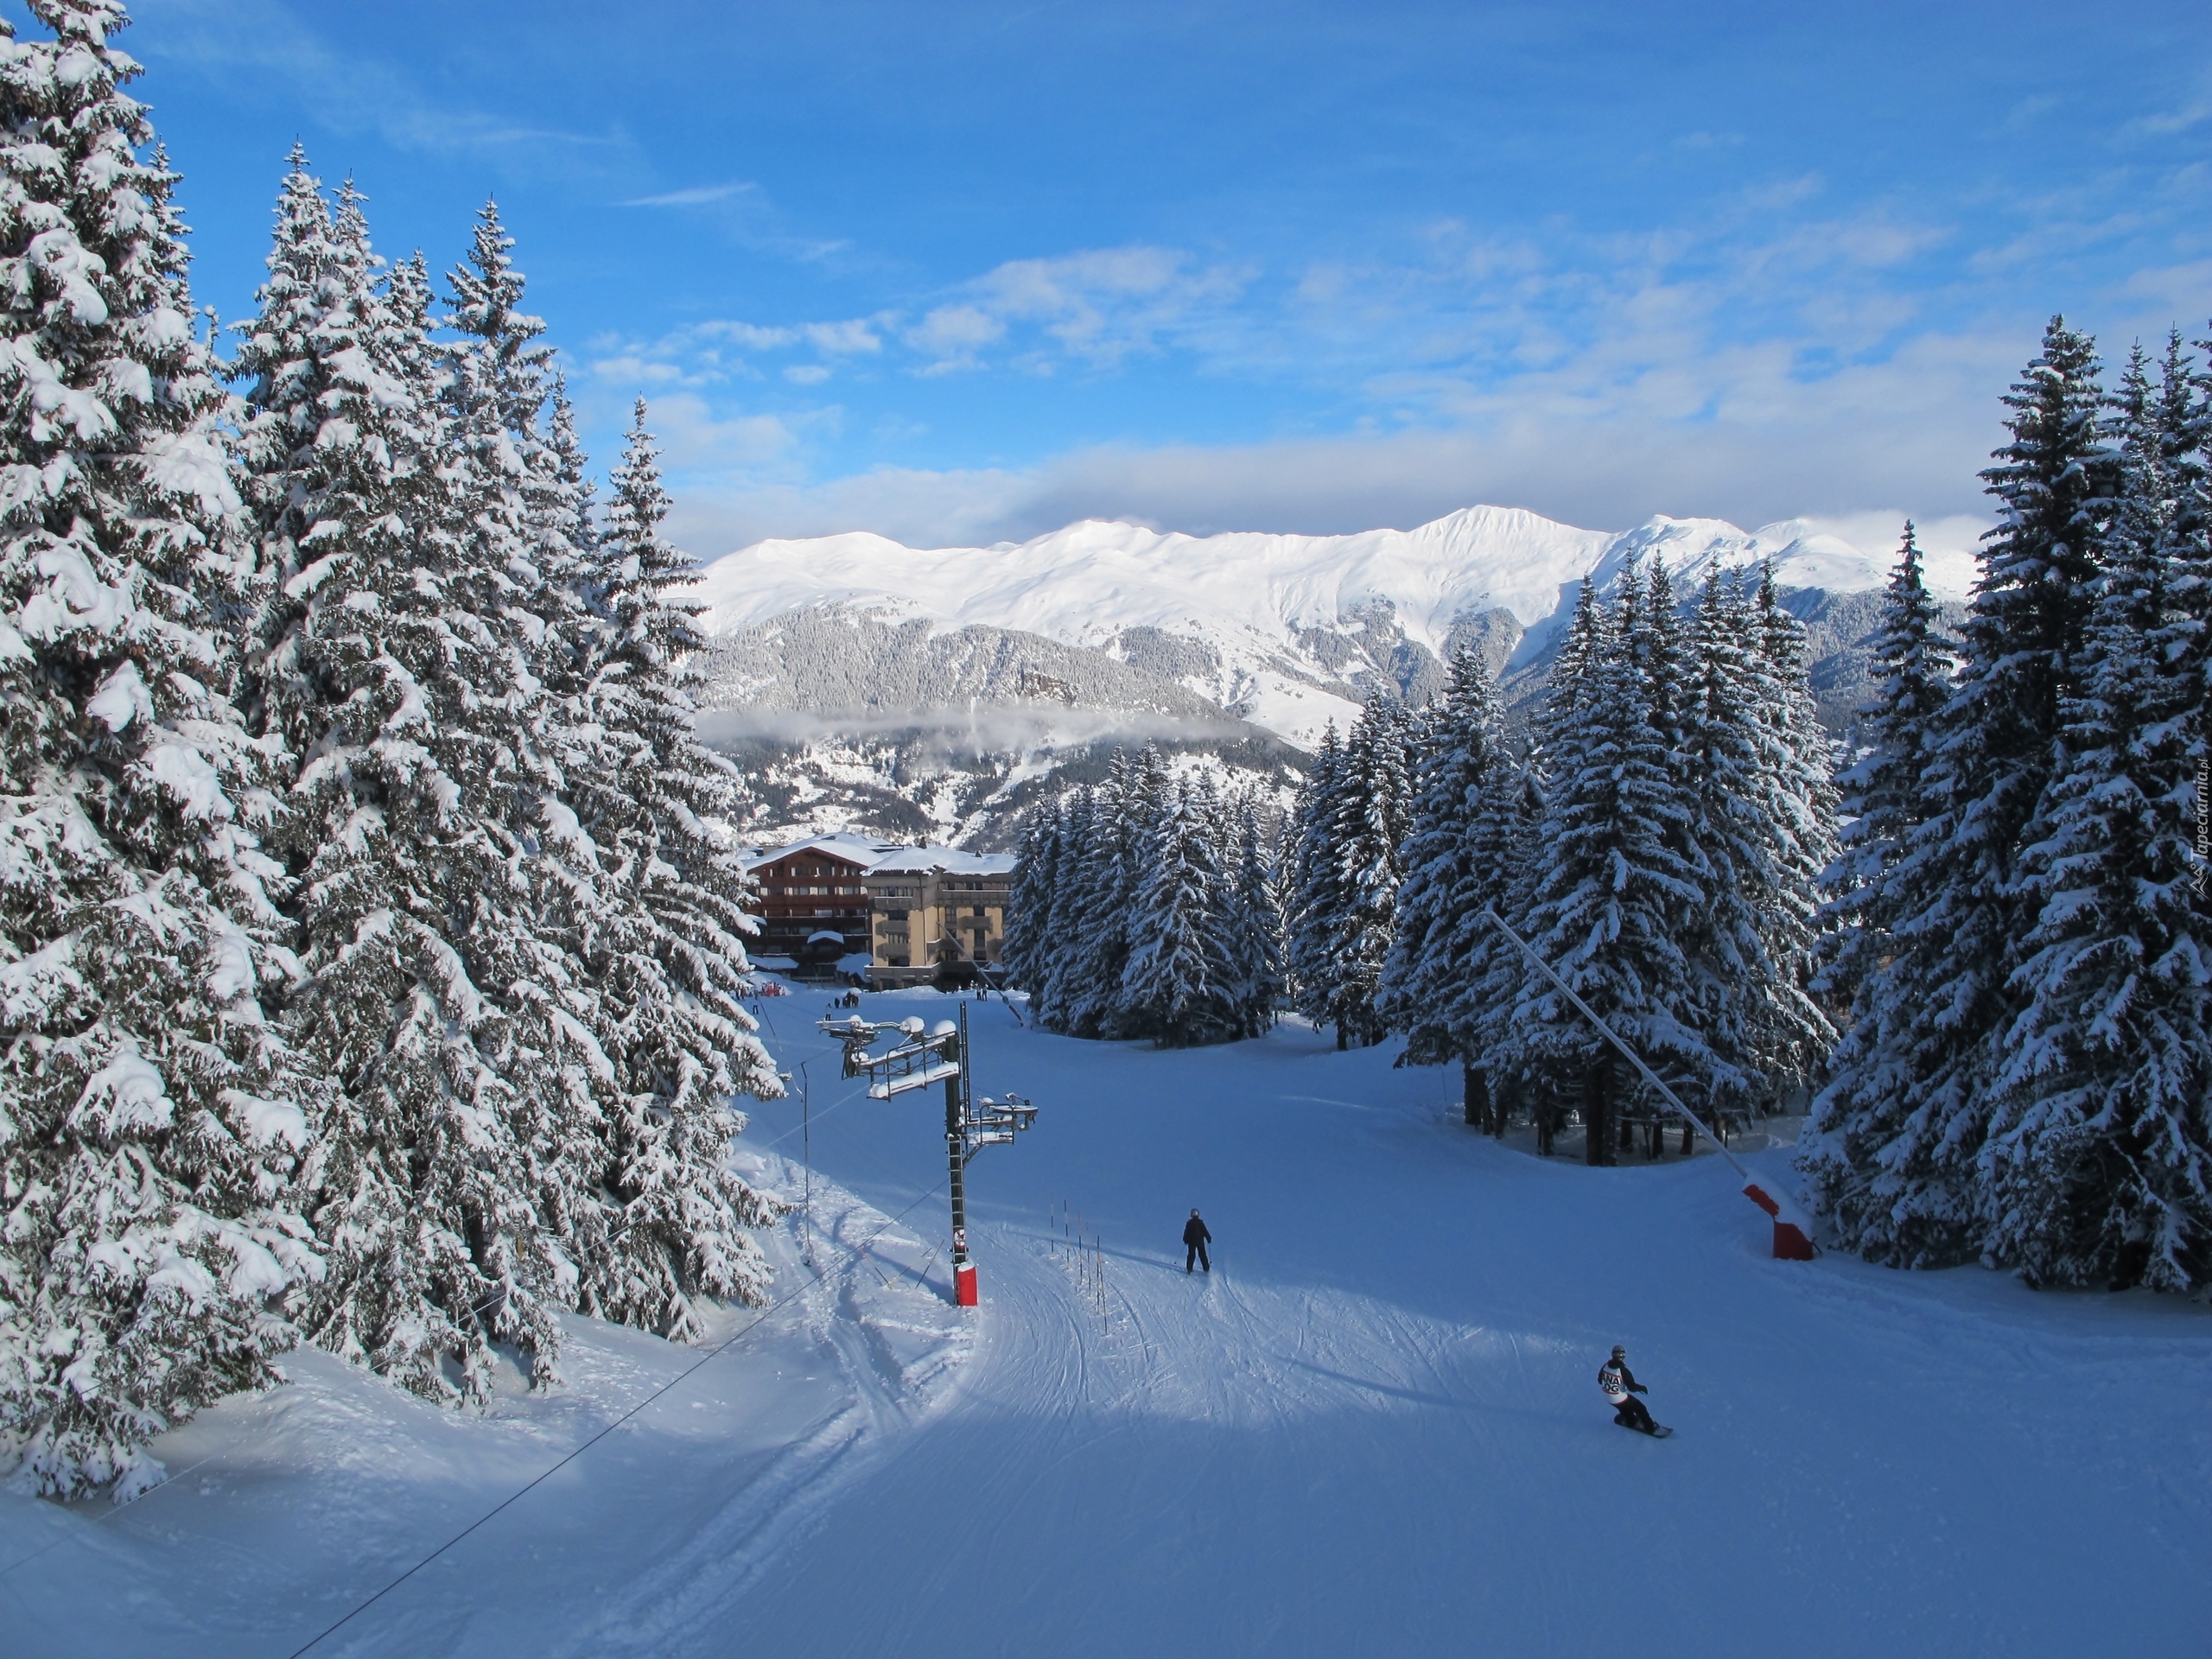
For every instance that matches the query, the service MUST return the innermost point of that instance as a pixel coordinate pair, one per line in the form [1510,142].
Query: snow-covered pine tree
[1799,821]
[408,682]
[2184,420]
[1053,997]
[1879,883]
[1315,890]
[1403,997]
[1907,1109]
[1441,940]
[1609,882]
[153,1118]
[1374,812]
[281,360]
[1169,990]
[1501,862]
[2099,1158]
[1725,749]
[1256,923]
[1543,1069]
[1225,951]
[1030,931]
[1104,894]
[1882,793]
[1664,655]
[649,896]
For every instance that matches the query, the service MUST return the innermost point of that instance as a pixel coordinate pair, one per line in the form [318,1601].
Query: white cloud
[1863,449]
[716,352]
[1756,368]
[745,336]
[952,335]
[852,338]
[694,438]
[696,196]
[2193,112]
[747,215]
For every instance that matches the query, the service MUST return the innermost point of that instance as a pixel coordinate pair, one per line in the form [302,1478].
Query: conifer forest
[1970,932]
[372,971]
[1967,931]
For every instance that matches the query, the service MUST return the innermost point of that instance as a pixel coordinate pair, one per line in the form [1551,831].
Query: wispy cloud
[2192,111]
[1905,436]
[697,195]
[721,351]
[1094,308]
[748,217]
[241,41]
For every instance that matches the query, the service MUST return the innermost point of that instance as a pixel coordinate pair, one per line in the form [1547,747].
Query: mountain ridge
[864,681]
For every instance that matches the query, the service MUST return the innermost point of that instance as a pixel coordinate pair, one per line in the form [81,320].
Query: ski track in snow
[1373,1429]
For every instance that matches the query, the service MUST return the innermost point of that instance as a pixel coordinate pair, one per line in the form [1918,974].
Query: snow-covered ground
[1375,1429]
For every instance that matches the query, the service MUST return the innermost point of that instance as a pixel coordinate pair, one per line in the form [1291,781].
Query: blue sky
[957,271]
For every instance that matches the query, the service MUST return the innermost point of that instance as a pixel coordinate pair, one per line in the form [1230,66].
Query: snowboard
[1657,1431]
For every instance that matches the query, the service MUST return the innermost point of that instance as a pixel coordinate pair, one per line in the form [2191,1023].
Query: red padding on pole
[1793,1228]
[1790,1243]
[963,1282]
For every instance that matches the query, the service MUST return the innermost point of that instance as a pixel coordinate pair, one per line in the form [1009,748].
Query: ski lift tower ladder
[916,1060]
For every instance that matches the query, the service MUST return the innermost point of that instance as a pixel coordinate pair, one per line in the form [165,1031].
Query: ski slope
[1374,1429]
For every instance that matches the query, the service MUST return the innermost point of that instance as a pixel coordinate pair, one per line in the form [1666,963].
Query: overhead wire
[520,1492]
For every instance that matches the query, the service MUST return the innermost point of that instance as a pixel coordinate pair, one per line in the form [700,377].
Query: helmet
[1619,1351]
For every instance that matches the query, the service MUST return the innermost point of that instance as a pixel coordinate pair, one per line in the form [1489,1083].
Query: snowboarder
[1195,1240]
[1621,1388]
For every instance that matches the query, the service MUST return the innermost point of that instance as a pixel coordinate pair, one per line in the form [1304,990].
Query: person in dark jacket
[1621,1388]
[1195,1240]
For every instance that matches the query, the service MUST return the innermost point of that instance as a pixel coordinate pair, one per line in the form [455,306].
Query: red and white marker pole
[1793,1228]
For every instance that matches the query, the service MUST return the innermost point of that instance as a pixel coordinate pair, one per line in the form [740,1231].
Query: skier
[1621,1388]
[1195,1240]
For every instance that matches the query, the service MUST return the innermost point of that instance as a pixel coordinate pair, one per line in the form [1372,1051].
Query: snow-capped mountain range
[834,637]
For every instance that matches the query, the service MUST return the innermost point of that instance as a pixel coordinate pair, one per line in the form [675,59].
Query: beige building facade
[936,911]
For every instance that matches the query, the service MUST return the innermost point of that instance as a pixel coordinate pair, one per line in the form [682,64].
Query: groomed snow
[1374,1429]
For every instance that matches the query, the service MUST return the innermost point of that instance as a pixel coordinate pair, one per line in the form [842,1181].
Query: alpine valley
[937,692]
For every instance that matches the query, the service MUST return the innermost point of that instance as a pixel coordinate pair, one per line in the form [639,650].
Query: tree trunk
[1474,1095]
[1598,1113]
[1340,1036]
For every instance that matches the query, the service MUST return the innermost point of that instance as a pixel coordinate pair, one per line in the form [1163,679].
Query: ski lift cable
[520,1492]
[1606,1032]
[1793,1228]
[983,973]
[475,1309]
